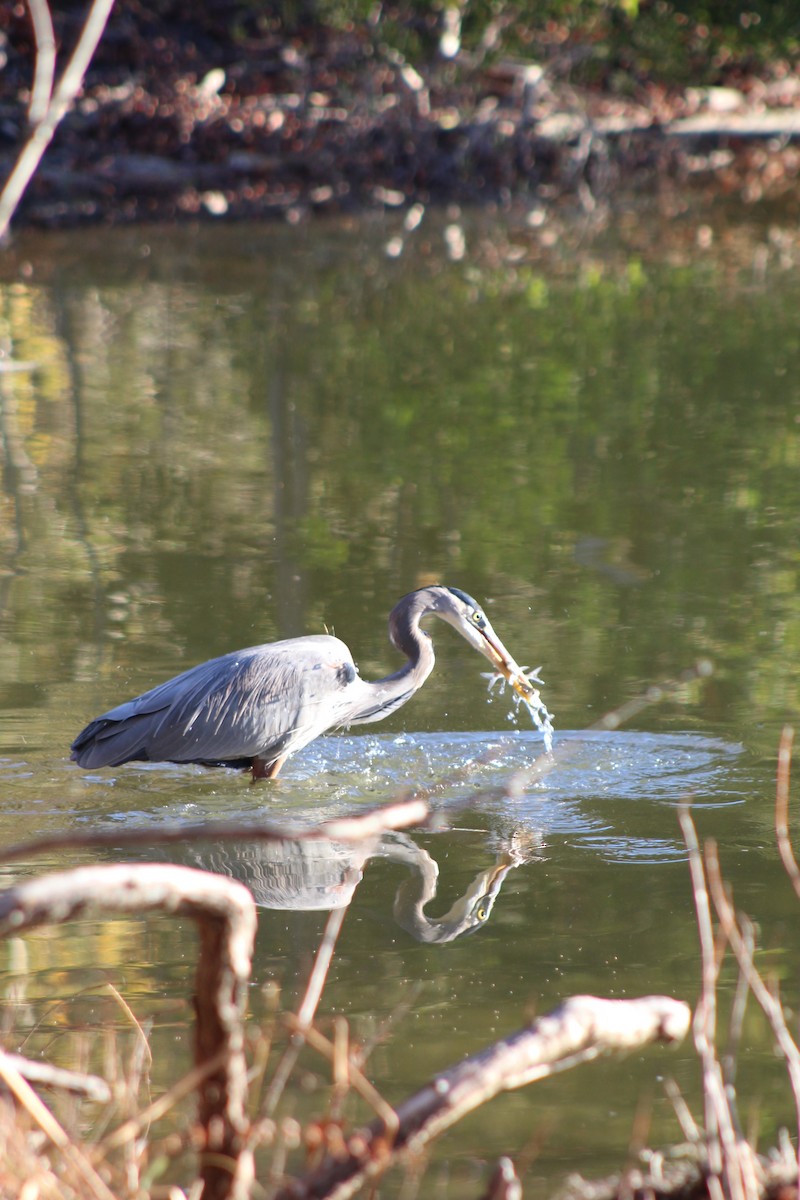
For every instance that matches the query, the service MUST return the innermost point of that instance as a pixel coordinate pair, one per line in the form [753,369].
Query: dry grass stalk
[308,1008]
[782,808]
[132,1128]
[740,935]
[41,1115]
[355,1076]
[726,1150]
[42,1073]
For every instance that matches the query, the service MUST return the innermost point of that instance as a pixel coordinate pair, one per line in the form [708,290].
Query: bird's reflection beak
[493,878]
[474,908]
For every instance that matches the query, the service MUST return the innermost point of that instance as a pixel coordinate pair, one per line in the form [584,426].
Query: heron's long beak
[499,657]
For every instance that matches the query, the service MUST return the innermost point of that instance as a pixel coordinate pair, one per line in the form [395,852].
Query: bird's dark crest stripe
[464,596]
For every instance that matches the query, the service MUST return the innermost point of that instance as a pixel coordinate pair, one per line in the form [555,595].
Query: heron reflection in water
[322,875]
[256,707]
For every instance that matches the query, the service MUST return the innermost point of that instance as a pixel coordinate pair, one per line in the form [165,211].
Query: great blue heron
[255,707]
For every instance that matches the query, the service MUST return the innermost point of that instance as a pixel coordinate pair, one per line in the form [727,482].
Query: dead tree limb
[225,915]
[580,1029]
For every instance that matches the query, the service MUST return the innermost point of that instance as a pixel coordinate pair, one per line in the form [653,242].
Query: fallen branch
[225,915]
[579,1030]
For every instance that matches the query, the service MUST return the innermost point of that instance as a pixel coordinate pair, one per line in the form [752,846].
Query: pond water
[226,436]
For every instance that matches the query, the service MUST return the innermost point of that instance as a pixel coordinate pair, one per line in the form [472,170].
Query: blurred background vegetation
[609,42]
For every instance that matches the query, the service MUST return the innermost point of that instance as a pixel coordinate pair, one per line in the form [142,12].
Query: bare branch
[44,72]
[358,827]
[68,87]
[133,1127]
[225,915]
[580,1029]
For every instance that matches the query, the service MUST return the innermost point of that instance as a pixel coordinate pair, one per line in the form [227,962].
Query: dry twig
[358,827]
[40,1113]
[308,1007]
[80,1084]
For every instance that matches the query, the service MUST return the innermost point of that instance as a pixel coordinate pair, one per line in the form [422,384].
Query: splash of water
[522,680]
[542,719]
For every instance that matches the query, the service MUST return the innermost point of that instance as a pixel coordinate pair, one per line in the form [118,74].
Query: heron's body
[255,707]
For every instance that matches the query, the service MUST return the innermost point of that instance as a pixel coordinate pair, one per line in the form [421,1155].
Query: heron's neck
[407,636]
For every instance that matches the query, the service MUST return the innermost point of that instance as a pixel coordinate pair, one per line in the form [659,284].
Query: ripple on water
[600,791]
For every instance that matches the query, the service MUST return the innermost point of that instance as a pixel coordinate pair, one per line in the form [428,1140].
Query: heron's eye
[478,619]
[482,914]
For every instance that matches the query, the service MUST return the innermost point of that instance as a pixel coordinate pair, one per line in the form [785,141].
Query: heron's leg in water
[265,770]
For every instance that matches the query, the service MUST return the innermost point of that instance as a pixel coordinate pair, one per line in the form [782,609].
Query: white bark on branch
[58,104]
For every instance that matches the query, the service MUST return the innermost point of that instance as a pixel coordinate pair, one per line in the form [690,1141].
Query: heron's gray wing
[260,702]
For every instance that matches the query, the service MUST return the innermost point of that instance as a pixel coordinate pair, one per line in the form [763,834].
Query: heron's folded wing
[250,703]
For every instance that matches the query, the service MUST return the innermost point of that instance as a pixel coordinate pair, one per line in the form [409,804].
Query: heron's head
[467,616]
